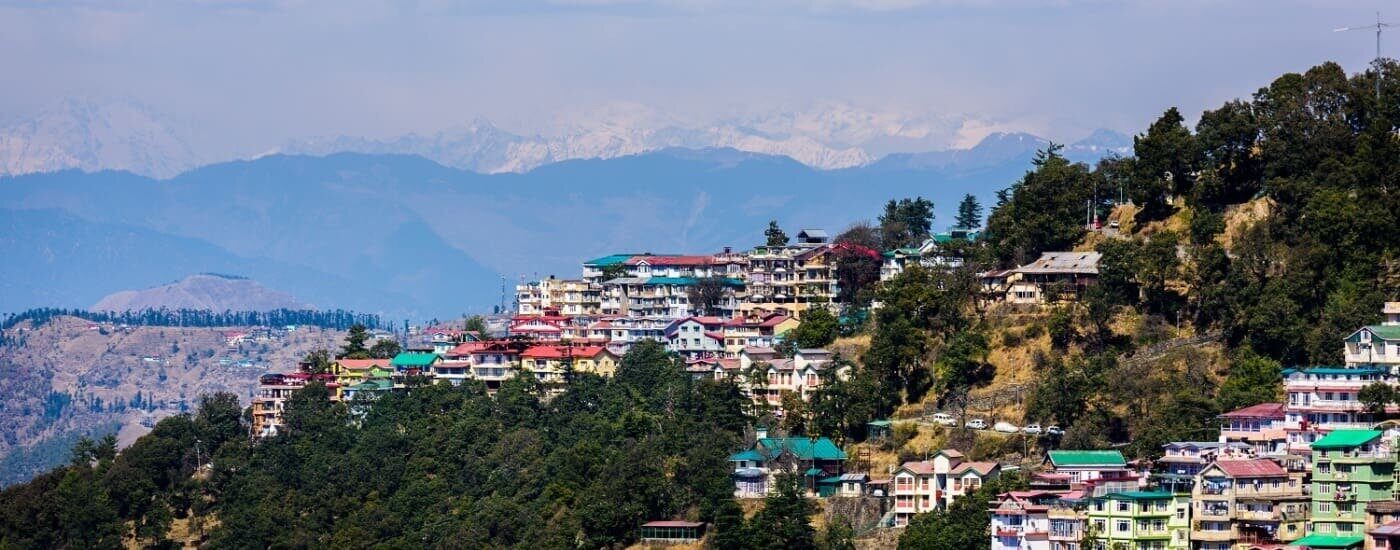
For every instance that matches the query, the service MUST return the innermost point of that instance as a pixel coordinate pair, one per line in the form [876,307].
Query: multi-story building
[540,328]
[661,296]
[621,333]
[1322,399]
[697,337]
[1351,468]
[1248,503]
[755,332]
[1259,426]
[1021,520]
[273,392]
[1377,345]
[933,484]
[790,278]
[491,362]
[764,375]
[558,296]
[549,364]
[1146,520]
[349,372]
[1187,458]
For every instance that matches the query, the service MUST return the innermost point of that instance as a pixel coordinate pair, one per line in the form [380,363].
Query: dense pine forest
[1268,223]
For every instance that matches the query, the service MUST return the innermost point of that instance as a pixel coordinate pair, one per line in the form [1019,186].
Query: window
[1121,526]
[1123,506]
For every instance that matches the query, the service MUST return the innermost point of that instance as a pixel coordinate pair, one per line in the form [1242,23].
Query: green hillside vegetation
[1316,153]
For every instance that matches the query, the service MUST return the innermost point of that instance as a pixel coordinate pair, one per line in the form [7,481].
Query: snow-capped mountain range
[91,136]
[123,135]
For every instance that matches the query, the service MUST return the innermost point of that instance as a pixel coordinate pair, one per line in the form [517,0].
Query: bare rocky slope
[72,375]
[205,291]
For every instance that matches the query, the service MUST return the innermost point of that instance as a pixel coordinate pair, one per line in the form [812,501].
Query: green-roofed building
[414,362]
[813,459]
[1350,469]
[1328,542]
[1141,519]
[1081,466]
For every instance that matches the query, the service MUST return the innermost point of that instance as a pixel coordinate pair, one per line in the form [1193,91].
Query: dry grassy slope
[1014,342]
[165,364]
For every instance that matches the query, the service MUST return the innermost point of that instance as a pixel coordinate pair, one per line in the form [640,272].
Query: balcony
[1336,405]
[1257,515]
[1364,357]
[1357,456]
[1212,535]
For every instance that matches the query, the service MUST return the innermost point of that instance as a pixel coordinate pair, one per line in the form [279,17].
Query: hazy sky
[252,73]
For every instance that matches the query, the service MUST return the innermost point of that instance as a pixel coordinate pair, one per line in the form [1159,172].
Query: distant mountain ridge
[205,291]
[405,237]
[123,135]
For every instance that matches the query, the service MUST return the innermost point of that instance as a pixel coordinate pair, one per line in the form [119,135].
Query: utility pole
[1378,26]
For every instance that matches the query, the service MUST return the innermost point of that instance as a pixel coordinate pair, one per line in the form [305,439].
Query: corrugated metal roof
[1341,439]
[1063,262]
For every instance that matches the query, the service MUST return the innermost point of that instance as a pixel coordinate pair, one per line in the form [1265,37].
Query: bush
[1010,338]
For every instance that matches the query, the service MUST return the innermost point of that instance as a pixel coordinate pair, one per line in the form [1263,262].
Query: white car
[976,424]
[945,419]
[1054,430]
[1032,429]
[1005,427]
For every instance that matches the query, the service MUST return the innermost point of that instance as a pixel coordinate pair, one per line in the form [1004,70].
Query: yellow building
[547,362]
[349,372]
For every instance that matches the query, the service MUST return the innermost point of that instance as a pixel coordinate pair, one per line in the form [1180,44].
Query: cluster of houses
[787,278]
[552,349]
[1317,471]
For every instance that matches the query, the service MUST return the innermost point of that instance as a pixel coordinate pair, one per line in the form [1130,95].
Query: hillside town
[1317,471]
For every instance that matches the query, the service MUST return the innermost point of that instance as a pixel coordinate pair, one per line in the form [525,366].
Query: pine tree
[775,234]
[969,212]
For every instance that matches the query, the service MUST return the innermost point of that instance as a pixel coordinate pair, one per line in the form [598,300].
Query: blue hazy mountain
[404,236]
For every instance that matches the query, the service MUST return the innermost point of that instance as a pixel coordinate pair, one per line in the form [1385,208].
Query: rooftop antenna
[1378,26]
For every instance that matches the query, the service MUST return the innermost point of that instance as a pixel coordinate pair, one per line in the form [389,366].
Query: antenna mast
[1378,26]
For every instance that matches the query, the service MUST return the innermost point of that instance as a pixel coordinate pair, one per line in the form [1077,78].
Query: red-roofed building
[1247,502]
[1259,426]
[549,363]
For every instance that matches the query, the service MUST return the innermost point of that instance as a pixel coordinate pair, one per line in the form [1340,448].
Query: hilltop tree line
[337,319]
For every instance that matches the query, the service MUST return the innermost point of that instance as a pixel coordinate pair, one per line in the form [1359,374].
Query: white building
[1021,520]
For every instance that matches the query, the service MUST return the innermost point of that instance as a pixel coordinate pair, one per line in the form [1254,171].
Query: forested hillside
[1255,240]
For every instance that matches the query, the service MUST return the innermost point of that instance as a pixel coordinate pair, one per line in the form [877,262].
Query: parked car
[1005,427]
[1032,429]
[945,419]
[1054,430]
[976,424]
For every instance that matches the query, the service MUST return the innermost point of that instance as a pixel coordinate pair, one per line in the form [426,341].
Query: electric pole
[1378,26]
